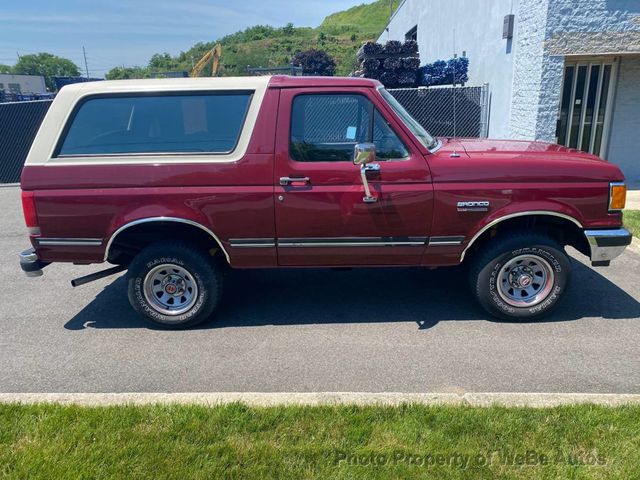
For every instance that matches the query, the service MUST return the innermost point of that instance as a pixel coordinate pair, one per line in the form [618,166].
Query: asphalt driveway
[392,330]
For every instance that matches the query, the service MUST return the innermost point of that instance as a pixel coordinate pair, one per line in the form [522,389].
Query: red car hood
[519,147]
[519,161]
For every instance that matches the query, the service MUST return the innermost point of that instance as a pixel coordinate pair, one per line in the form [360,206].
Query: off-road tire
[205,273]
[486,268]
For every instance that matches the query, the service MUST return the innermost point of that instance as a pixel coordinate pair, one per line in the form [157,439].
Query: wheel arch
[158,220]
[548,217]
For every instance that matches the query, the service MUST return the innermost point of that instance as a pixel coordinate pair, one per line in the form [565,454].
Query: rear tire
[174,285]
[521,276]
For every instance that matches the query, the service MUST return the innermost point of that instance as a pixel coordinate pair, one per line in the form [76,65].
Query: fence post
[484,111]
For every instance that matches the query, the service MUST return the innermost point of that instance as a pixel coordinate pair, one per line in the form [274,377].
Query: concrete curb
[635,244]
[325,398]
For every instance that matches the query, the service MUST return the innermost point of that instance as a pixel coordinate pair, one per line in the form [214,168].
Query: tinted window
[208,123]
[388,145]
[326,128]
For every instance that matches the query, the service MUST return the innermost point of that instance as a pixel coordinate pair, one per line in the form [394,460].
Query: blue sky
[121,32]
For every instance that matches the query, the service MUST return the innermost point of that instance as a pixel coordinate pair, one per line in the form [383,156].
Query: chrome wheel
[525,280]
[170,289]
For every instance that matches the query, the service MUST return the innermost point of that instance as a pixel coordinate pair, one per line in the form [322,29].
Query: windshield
[425,138]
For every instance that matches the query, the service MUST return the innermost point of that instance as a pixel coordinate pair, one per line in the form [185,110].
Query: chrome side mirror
[364,154]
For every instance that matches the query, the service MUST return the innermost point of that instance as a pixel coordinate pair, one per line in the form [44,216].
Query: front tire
[521,276]
[174,285]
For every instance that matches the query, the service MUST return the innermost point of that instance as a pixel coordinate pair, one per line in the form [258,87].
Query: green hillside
[368,19]
[340,34]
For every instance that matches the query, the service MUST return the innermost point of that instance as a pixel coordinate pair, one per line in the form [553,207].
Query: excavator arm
[212,56]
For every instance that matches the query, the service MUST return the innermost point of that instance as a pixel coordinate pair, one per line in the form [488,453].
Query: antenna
[455,154]
[86,65]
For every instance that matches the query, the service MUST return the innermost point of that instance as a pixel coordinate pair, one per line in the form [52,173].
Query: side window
[388,145]
[326,128]
[201,123]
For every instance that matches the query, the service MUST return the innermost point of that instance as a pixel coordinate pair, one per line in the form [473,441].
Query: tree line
[312,61]
[45,64]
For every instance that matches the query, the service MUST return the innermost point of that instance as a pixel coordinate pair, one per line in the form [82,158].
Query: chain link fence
[432,107]
[448,111]
[19,123]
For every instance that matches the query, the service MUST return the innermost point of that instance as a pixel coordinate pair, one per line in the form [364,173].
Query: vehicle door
[322,215]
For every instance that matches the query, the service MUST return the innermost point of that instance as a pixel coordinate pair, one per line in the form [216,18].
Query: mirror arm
[368,198]
[363,155]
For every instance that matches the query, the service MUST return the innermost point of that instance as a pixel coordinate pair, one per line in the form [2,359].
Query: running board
[76,282]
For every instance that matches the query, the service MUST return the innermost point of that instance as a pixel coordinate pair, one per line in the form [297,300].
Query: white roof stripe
[168,84]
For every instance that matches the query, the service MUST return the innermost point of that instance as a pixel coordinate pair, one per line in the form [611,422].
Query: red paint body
[417,197]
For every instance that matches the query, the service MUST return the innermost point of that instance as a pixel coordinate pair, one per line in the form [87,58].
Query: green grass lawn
[632,221]
[236,441]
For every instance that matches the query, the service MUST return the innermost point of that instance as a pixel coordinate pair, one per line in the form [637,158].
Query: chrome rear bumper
[30,263]
[606,245]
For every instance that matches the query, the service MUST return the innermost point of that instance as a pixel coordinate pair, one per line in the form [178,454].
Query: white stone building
[569,72]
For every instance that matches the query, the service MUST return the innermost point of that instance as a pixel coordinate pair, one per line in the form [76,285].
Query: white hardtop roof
[51,129]
[164,84]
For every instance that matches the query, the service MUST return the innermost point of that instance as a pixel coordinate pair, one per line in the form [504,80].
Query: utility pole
[18,54]
[86,65]
[390,15]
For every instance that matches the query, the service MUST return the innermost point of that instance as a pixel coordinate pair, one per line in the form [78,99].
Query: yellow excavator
[212,56]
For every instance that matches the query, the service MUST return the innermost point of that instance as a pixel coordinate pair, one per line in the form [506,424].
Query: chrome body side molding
[252,242]
[164,219]
[446,241]
[322,242]
[72,242]
[514,215]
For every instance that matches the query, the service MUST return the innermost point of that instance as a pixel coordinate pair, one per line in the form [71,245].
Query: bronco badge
[473,206]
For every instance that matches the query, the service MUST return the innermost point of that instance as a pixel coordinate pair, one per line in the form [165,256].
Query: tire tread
[500,245]
[210,271]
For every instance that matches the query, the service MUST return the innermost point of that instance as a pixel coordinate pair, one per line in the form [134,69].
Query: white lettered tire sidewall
[486,282]
[201,268]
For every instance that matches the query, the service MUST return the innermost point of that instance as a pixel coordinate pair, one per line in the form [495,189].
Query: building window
[412,34]
[584,106]
[14,87]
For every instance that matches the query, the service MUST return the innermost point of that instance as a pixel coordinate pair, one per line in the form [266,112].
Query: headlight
[617,196]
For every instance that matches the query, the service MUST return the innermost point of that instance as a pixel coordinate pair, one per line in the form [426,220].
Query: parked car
[175,180]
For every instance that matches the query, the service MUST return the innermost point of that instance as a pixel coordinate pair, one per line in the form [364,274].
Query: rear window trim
[177,93]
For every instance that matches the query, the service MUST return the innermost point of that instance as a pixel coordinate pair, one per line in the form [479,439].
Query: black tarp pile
[395,63]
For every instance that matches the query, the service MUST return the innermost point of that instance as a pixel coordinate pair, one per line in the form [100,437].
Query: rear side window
[201,123]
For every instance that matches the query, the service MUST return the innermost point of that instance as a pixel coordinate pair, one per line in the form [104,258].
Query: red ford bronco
[173,180]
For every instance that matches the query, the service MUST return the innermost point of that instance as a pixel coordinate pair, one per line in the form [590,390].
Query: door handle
[284,181]
[372,167]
